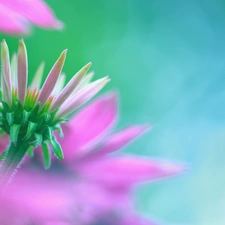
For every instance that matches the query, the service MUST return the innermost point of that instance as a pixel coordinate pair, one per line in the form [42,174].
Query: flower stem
[12,160]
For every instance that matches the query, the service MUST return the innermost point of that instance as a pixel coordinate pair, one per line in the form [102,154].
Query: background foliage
[166,59]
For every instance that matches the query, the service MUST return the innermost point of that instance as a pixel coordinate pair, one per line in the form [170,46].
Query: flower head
[93,185]
[17,15]
[31,115]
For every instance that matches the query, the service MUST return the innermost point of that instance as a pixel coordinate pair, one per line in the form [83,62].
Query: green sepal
[14,131]
[18,108]
[5,106]
[47,117]
[59,129]
[56,148]
[49,133]
[46,155]
[37,141]
[34,112]
[30,130]
[4,125]
[43,117]
[53,116]
[30,151]
[26,114]
[61,120]
[10,117]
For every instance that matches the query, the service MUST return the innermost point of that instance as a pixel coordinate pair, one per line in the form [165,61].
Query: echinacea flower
[31,115]
[93,184]
[17,15]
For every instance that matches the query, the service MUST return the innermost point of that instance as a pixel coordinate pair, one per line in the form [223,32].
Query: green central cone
[29,127]
[31,115]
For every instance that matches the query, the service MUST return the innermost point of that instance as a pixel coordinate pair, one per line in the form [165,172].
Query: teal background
[167,61]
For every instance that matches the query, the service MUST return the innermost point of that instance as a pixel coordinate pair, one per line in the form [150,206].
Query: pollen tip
[87,66]
[22,44]
[107,78]
[63,54]
[21,41]
[58,25]
[4,50]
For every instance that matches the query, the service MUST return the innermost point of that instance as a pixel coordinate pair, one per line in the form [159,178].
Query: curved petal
[118,140]
[52,78]
[36,11]
[89,126]
[11,22]
[124,171]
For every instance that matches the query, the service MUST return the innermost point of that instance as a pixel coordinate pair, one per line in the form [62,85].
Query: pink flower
[17,15]
[93,184]
[31,114]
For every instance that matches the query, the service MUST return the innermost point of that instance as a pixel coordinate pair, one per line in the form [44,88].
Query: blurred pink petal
[33,197]
[41,199]
[134,220]
[89,126]
[12,22]
[125,171]
[16,15]
[90,186]
[118,140]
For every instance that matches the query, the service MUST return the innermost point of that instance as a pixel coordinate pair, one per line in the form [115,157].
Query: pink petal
[99,202]
[89,125]
[36,11]
[11,22]
[81,97]
[32,194]
[70,87]
[13,66]
[52,78]
[6,72]
[58,223]
[131,219]
[36,82]
[119,139]
[22,71]
[125,171]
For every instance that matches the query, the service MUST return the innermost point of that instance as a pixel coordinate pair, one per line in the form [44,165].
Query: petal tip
[4,46]
[145,128]
[59,25]
[106,79]
[86,67]
[64,51]
[21,41]
[62,57]
[174,168]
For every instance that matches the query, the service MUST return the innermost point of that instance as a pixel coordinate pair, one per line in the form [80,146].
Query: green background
[167,61]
